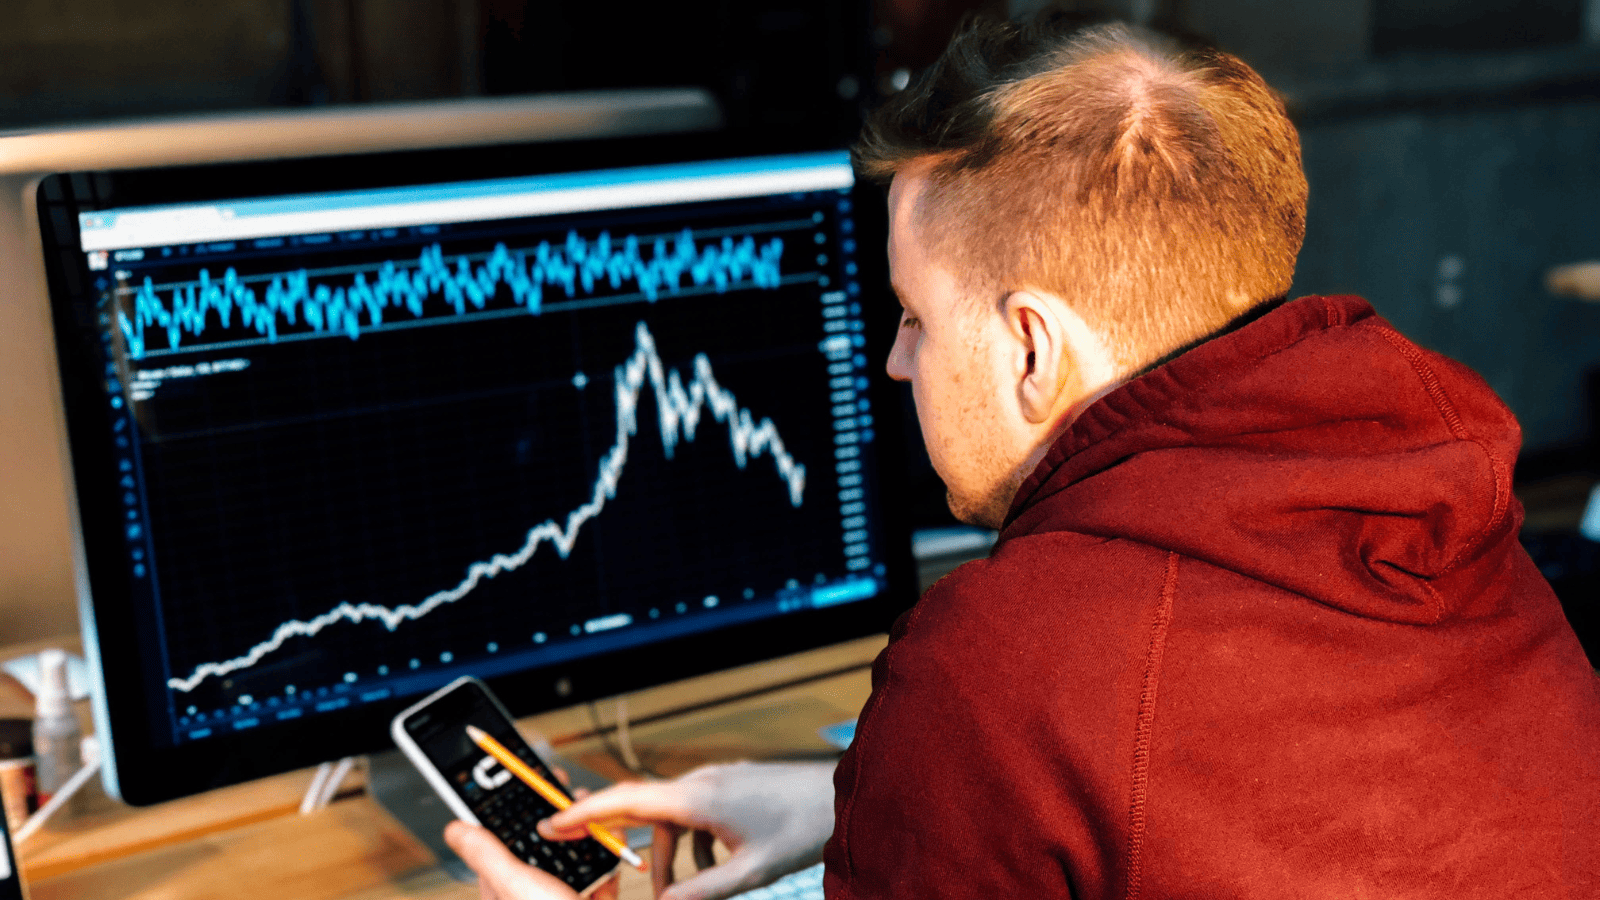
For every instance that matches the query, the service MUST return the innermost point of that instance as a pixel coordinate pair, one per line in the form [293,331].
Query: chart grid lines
[678,411]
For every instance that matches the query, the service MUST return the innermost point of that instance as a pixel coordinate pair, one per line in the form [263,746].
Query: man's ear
[1043,362]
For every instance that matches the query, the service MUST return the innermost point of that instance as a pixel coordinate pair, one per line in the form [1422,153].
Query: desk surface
[249,842]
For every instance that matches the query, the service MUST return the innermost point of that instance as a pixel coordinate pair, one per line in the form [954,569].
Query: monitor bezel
[141,772]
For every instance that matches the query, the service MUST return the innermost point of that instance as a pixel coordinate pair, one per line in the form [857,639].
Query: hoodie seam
[1498,470]
[1430,382]
[1138,794]
[865,725]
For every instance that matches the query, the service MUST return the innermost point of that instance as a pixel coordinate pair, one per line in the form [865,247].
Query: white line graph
[678,408]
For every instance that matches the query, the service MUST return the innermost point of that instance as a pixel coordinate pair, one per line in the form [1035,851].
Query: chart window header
[507,198]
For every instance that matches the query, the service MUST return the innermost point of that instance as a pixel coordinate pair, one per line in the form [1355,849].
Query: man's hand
[501,876]
[1580,280]
[773,817]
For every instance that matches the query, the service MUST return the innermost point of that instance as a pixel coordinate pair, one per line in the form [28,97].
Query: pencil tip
[474,732]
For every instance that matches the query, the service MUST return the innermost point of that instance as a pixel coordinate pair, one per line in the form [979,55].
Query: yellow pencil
[549,792]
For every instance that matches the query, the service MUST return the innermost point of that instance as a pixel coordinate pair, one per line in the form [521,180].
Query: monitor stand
[402,791]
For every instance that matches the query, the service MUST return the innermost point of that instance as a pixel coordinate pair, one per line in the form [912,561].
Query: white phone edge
[420,760]
[425,765]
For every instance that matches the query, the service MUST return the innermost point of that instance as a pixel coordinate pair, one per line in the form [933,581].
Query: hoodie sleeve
[995,755]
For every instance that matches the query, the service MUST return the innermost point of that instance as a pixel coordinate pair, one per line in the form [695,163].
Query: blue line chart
[188,310]
[679,409]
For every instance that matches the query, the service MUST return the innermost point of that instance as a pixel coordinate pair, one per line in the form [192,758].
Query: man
[1257,624]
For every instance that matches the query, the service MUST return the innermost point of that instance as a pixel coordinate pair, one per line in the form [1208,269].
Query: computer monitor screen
[579,420]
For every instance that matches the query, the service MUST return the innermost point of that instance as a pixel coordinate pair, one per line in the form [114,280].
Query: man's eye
[909,321]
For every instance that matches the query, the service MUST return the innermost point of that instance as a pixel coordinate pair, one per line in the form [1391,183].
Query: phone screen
[501,802]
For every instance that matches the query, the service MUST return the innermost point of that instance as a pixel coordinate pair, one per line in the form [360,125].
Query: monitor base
[400,789]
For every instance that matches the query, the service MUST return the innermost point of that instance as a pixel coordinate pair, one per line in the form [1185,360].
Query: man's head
[1066,210]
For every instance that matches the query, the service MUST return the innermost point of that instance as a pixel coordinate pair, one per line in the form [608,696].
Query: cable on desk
[616,753]
[325,784]
[90,750]
[621,753]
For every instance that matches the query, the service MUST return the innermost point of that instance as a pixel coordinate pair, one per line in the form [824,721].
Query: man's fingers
[732,877]
[663,852]
[624,805]
[481,851]
[1581,280]
[609,890]
[704,858]
[500,874]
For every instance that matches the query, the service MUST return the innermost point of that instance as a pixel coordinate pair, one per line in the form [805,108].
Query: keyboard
[805,884]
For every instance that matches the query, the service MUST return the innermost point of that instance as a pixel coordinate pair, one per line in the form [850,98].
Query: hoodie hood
[1315,449]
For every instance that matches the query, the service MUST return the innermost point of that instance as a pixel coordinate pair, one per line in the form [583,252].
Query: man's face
[944,348]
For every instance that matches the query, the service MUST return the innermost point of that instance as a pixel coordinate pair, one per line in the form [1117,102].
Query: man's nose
[898,365]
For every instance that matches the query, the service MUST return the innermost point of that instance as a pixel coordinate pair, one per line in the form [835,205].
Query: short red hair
[1160,192]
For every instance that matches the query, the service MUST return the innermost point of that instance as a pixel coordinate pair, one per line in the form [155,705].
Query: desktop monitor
[577,417]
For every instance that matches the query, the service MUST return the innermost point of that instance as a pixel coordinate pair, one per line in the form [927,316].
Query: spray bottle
[56,735]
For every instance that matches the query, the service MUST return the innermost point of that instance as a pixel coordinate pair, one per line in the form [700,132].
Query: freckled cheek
[927,414]
[932,398]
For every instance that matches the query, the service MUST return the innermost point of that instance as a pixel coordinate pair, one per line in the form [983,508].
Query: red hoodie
[1258,626]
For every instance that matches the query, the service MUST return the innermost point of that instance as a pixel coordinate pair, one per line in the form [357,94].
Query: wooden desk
[250,842]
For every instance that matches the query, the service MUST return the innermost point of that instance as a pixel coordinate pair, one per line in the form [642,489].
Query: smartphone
[433,735]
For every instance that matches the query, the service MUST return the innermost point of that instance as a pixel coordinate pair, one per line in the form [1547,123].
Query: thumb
[498,868]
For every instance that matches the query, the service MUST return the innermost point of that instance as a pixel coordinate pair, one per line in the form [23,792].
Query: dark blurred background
[1453,146]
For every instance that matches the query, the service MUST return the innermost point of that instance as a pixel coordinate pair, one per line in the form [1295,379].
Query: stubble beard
[989,509]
